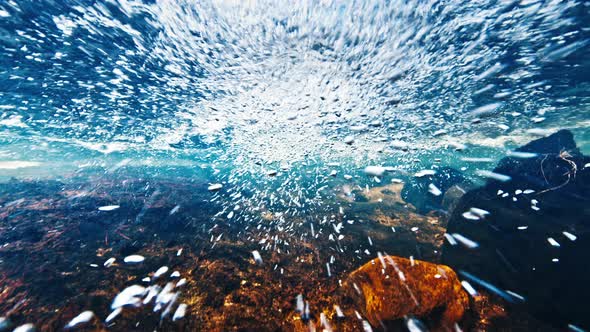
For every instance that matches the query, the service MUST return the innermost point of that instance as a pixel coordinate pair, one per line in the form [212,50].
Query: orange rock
[391,288]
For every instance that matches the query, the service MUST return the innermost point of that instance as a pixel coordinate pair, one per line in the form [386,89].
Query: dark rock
[522,261]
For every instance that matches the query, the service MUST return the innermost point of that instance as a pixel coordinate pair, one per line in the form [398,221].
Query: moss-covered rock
[390,288]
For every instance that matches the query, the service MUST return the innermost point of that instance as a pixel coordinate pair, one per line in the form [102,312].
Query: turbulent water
[284,104]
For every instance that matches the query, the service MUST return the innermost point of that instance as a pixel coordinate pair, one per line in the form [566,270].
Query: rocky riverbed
[71,246]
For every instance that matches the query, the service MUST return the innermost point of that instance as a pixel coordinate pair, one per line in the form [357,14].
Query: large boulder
[534,241]
[390,288]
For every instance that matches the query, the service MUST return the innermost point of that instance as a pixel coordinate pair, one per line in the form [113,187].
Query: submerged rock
[390,288]
[534,241]
[418,191]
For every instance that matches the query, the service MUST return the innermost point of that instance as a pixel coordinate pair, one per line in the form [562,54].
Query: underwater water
[227,165]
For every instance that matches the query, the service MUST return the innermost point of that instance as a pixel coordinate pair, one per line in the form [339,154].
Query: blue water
[268,98]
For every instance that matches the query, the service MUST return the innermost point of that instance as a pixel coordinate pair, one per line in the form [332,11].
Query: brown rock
[402,288]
